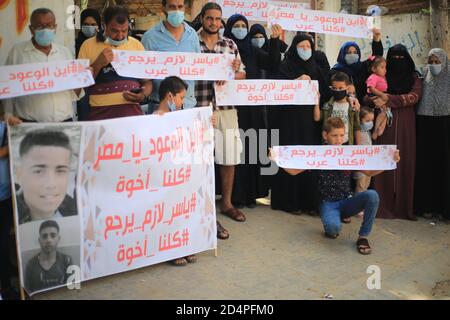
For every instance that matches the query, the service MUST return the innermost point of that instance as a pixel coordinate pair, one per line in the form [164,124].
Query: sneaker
[332,237]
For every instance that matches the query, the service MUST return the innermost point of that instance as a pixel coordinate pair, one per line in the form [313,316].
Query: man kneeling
[337,199]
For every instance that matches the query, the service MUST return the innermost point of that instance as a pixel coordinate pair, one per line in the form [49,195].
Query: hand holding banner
[185,65]
[38,78]
[336,157]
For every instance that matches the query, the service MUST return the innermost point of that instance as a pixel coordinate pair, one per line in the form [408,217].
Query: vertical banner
[143,187]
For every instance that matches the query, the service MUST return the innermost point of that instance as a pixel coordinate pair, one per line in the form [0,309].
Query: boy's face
[48,239]
[43,175]
[335,137]
[339,86]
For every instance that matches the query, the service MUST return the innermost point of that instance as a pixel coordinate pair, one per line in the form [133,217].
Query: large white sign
[159,65]
[37,78]
[335,157]
[267,92]
[323,22]
[123,193]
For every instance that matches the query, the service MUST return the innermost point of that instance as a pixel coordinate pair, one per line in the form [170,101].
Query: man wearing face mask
[172,35]
[113,96]
[48,107]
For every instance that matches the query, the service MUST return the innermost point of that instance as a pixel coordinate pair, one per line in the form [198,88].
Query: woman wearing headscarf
[90,24]
[297,127]
[249,184]
[349,62]
[396,188]
[319,56]
[432,196]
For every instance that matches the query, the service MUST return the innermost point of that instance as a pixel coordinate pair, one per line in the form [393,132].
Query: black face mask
[339,94]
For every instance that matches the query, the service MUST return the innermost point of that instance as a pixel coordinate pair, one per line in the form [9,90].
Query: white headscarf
[436,89]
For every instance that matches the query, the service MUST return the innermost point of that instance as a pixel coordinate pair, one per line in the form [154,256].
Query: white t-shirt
[340,110]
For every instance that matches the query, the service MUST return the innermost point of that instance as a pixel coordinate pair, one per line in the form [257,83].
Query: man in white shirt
[48,107]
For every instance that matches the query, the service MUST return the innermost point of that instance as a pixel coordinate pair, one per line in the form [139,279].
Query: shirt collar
[30,47]
[187,29]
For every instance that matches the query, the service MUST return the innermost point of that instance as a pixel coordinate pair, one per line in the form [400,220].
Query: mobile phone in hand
[136,90]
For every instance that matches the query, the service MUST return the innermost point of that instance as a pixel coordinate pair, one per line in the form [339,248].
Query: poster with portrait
[98,198]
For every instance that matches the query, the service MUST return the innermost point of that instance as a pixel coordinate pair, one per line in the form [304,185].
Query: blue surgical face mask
[221,32]
[258,42]
[435,69]
[89,31]
[175,18]
[239,33]
[367,126]
[305,55]
[116,43]
[172,106]
[351,58]
[44,37]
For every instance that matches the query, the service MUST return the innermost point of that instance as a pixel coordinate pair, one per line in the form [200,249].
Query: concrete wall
[10,34]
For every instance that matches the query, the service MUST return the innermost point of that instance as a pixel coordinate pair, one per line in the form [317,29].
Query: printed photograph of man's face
[45,174]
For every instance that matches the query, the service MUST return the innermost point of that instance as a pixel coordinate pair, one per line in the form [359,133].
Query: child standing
[367,117]
[377,86]
[340,106]
[337,200]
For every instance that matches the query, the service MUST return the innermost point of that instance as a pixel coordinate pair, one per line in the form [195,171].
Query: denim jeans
[332,212]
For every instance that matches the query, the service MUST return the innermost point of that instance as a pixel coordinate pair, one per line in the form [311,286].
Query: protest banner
[37,78]
[335,157]
[112,196]
[185,65]
[267,92]
[340,24]
[255,10]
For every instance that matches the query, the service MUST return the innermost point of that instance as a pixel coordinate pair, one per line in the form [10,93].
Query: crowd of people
[383,101]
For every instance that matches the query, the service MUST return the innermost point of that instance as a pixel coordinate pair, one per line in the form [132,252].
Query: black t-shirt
[334,185]
[37,278]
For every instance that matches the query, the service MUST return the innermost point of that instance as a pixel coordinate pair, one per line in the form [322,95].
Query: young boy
[336,193]
[341,107]
[172,92]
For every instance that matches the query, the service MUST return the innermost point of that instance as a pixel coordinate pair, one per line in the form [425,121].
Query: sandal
[191,258]
[222,233]
[363,246]
[181,262]
[235,214]
[346,220]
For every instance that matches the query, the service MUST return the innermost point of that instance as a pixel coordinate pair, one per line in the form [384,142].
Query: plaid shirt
[204,90]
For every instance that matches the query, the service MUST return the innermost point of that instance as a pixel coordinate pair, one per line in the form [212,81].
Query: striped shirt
[204,90]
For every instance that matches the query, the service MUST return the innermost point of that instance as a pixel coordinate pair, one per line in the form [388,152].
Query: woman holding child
[396,188]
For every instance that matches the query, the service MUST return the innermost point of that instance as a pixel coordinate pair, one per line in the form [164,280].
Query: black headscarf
[293,67]
[85,14]
[400,72]
[257,28]
[245,47]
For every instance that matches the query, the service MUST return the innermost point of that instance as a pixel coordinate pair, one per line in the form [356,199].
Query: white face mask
[435,69]
[258,42]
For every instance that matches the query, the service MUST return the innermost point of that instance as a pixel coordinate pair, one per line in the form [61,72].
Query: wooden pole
[439,24]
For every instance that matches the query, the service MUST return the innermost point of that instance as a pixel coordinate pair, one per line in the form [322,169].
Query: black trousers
[6,223]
